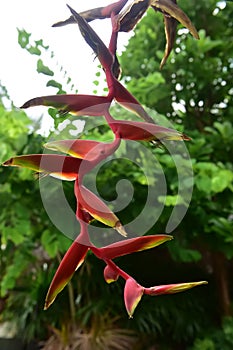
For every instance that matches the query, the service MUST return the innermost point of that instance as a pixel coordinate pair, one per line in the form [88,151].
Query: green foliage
[26,267]
[217,339]
[53,243]
[14,126]
[38,48]
[194,90]
[55,84]
[183,254]
[41,68]
[24,42]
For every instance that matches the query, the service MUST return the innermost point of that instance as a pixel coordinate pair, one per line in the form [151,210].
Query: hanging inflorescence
[83,155]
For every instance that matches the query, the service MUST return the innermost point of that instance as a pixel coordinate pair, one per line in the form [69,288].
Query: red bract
[84,149]
[172,288]
[104,55]
[139,131]
[59,166]
[76,104]
[88,201]
[130,246]
[125,99]
[133,293]
[72,260]
[110,275]
[96,13]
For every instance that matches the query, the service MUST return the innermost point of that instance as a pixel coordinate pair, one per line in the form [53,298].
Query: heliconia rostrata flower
[81,156]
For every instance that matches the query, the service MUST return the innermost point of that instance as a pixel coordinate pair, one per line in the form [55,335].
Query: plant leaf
[41,68]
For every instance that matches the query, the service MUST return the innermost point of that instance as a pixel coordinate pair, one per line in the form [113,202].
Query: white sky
[18,67]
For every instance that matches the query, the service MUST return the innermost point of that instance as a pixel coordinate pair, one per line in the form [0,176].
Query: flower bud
[110,275]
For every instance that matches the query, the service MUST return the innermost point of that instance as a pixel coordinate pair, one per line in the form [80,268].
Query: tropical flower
[83,155]
[75,256]
[133,291]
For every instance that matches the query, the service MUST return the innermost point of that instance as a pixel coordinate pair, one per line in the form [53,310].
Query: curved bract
[75,104]
[59,166]
[84,149]
[139,131]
